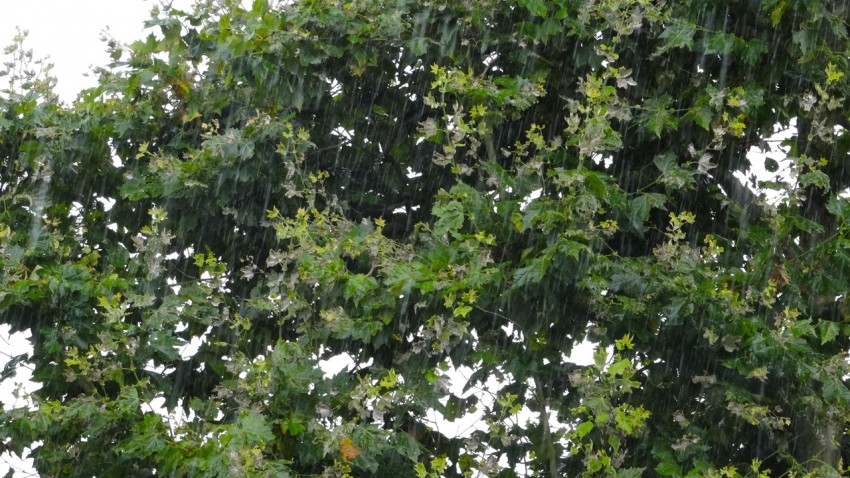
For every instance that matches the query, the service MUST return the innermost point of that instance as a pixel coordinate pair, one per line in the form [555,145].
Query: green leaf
[408,447]
[253,428]
[583,429]
[618,367]
[702,115]
[600,357]
[462,311]
[538,8]
[358,286]
[532,273]
[805,39]
[833,74]
[402,277]
[630,472]
[672,174]
[828,331]
[450,217]
[816,178]
[657,114]
[839,207]
[836,391]
[596,185]
[679,34]
[641,206]
[669,469]
[776,13]
[720,43]
[419,46]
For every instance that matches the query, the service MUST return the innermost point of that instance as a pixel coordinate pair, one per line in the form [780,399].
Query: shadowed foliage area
[449,197]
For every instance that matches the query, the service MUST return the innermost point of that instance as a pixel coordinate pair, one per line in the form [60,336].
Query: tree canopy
[432,186]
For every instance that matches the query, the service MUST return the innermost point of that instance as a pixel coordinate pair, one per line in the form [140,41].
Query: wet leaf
[679,34]
[348,449]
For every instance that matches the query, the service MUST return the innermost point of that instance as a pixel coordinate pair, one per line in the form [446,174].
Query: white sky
[68,32]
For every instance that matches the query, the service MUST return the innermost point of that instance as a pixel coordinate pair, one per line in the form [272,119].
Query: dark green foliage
[426,186]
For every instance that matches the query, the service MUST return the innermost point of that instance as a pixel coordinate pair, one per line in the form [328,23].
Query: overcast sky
[68,31]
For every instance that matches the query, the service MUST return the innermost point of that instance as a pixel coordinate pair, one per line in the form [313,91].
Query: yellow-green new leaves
[608,418]
[833,74]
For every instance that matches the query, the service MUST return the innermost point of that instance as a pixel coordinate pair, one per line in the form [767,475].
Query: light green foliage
[425,185]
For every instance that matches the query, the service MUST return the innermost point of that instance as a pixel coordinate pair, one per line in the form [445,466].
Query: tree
[427,186]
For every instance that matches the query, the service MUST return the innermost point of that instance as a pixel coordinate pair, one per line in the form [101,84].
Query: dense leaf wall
[426,186]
